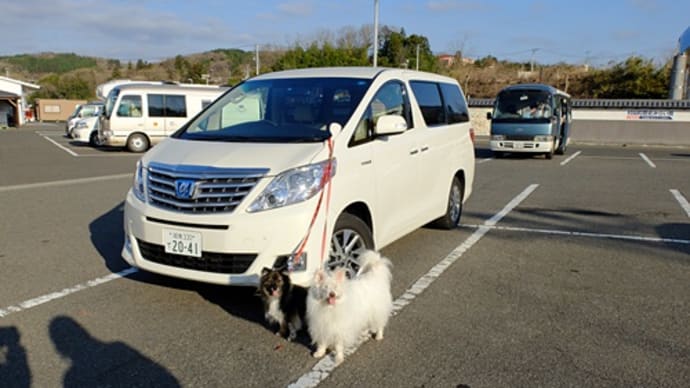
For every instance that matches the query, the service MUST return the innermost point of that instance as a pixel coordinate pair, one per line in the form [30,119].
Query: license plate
[183,243]
[517,145]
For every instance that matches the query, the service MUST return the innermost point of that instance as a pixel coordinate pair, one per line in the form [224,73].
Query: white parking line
[65,182]
[681,200]
[573,156]
[69,151]
[646,159]
[326,365]
[484,160]
[61,294]
[584,234]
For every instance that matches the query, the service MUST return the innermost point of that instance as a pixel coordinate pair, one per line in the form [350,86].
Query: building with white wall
[13,103]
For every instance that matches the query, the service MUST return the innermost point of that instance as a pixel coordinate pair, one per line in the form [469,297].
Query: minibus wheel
[351,236]
[451,219]
[137,142]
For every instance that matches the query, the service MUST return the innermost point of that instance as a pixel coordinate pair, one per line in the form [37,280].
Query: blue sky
[579,31]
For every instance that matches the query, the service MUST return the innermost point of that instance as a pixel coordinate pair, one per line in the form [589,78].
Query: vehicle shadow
[96,363]
[107,236]
[578,221]
[14,367]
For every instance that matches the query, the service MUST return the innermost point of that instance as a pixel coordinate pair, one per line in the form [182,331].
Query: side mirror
[390,125]
[488,115]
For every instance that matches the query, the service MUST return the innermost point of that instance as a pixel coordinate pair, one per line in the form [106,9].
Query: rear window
[455,104]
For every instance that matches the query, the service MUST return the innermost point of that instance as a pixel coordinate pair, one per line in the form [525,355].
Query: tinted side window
[163,105]
[175,106]
[156,105]
[456,107]
[430,103]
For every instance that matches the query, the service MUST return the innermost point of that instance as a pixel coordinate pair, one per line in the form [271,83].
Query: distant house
[446,59]
[14,110]
[449,60]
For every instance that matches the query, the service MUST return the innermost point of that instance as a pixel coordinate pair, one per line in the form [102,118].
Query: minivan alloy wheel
[351,236]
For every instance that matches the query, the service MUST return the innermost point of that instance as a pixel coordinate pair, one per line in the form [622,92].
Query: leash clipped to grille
[325,189]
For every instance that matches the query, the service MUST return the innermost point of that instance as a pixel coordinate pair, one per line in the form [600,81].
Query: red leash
[325,187]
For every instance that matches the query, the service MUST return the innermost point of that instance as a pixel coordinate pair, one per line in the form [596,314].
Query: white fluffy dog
[340,310]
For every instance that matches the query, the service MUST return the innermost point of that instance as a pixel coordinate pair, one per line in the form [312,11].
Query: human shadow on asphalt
[97,363]
[14,368]
[107,236]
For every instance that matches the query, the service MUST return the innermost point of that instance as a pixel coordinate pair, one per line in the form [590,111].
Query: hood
[276,157]
[524,128]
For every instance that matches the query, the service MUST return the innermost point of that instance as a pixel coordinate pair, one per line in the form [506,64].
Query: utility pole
[531,62]
[376,31]
[257,59]
[417,62]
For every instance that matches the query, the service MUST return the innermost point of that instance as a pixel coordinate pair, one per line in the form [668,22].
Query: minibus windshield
[520,105]
[110,101]
[278,110]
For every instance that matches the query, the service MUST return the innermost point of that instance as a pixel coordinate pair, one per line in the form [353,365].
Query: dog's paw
[319,352]
[378,335]
[339,358]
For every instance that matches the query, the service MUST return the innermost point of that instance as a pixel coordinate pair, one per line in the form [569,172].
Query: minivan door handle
[414,151]
[425,148]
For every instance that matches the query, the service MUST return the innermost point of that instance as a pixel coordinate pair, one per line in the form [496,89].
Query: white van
[245,185]
[139,115]
[91,109]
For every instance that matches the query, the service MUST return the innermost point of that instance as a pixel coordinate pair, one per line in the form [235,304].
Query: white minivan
[138,115]
[301,169]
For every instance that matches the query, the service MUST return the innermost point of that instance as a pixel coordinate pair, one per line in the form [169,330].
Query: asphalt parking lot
[567,272]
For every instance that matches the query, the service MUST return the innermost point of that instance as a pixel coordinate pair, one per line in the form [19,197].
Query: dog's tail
[371,261]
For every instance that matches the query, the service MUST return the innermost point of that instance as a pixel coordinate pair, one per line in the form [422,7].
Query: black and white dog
[284,302]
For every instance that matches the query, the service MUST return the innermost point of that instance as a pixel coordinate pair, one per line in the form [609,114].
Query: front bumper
[521,146]
[264,236]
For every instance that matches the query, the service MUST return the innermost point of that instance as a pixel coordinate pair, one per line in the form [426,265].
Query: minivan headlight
[498,137]
[292,186]
[543,138]
[138,185]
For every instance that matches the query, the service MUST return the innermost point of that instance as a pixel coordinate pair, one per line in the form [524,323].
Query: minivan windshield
[278,110]
[520,105]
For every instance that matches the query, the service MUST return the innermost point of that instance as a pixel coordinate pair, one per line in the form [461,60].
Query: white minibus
[138,116]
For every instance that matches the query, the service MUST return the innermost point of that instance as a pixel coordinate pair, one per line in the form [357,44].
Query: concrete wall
[616,126]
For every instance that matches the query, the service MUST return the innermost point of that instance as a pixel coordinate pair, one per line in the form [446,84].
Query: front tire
[562,146]
[137,143]
[93,139]
[451,219]
[351,236]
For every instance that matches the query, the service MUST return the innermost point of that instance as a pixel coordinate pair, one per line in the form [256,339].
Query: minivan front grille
[199,189]
[209,261]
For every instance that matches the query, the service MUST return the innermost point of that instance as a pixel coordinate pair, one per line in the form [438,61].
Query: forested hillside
[73,76]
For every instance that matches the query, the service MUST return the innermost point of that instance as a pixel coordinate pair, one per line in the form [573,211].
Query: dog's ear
[265,270]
